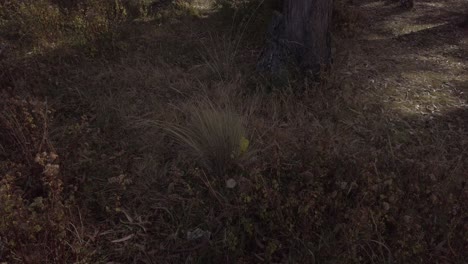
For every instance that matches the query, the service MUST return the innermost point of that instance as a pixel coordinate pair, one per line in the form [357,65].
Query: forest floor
[420,56]
[369,165]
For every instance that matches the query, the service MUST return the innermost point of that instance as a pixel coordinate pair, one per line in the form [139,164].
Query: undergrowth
[138,132]
[37,224]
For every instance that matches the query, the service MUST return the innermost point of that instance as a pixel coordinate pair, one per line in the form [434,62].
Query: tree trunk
[464,23]
[300,34]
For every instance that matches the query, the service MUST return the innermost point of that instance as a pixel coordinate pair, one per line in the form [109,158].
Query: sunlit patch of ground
[203,5]
[403,28]
[419,62]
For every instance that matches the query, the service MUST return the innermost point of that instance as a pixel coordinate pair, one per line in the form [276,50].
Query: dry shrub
[35,214]
[137,8]
[94,19]
[43,23]
[31,20]
[24,124]
[30,226]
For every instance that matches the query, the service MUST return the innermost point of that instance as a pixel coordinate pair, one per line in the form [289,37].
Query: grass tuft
[215,137]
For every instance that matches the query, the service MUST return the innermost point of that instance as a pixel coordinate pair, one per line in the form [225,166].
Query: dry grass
[214,137]
[367,166]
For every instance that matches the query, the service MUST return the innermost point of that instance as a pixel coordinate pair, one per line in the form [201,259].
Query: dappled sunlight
[424,90]
[436,5]
[403,27]
[440,6]
[202,5]
[425,101]
[420,58]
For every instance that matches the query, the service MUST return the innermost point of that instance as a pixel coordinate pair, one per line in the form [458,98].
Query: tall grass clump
[221,55]
[216,138]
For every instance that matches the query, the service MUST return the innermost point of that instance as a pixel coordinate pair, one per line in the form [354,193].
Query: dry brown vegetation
[133,132]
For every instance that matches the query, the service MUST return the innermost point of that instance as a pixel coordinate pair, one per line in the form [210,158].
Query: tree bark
[464,23]
[300,34]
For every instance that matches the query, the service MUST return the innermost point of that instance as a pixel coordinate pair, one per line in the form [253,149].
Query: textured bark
[407,3]
[464,23]
[300,33]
